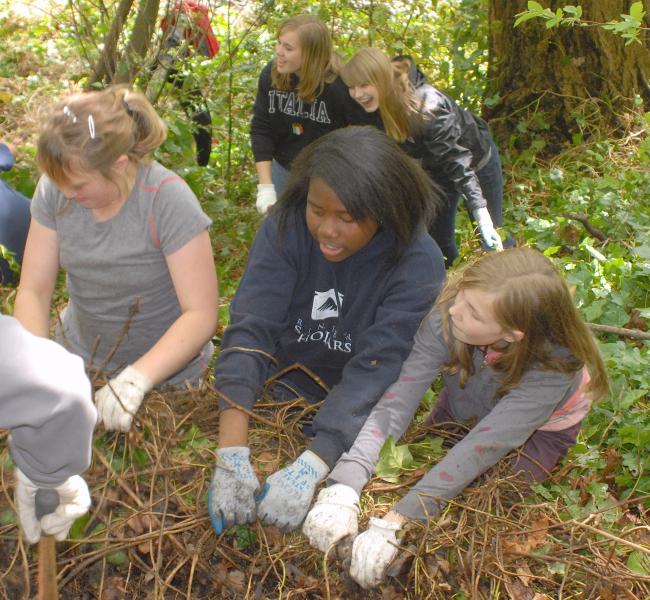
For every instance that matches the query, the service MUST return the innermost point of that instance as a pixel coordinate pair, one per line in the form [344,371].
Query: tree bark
[104,70]
[143,28]
[562,81]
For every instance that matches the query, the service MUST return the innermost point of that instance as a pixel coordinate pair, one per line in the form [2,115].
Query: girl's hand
[118,401]
[374,550]
[266,197]
[489,234]
[287,494]
[231,497]
[333,516]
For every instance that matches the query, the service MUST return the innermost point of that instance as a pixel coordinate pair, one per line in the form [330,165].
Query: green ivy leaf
[639,563]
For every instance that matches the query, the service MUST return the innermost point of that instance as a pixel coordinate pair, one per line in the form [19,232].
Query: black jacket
[452,144]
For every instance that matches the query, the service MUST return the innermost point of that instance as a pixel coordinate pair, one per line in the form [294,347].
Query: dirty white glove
[287,494]
[231,497]
[490,236]
[118,401]
[266,197]
[74,502]
[373,551]
[333,516]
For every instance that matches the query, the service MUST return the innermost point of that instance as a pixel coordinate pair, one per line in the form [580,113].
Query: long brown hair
[90,131]
[395,92]
[320,64]
[531,296]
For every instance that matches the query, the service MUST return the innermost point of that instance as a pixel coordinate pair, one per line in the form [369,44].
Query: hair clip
[68,113]
[91,127]
[127,108]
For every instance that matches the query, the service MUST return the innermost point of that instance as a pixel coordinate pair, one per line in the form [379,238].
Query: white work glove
[266,197]
[333,516]
[489,234]
[373,551]
[74,502]
[118,401]
[231,497]
[286,495]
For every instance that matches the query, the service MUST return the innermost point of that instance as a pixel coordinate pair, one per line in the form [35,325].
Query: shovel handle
[46,502]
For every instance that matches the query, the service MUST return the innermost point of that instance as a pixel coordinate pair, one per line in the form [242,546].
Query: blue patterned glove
[287,494]
[231,497]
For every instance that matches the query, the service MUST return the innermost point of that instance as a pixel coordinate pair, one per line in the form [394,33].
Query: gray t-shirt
[117,268]
[46,403]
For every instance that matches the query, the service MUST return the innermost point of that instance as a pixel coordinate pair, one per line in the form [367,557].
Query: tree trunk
[104,70]
[143,28]
[558,82]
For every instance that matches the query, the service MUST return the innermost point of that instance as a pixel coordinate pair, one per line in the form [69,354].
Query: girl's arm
[46,402]
[258,317]
[263,168]
[506,427]
[441,138]
[37,279]
[380,351]
[195,282]
[394,411]
[262,138]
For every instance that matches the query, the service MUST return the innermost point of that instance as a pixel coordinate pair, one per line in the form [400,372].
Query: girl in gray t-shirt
[134,243]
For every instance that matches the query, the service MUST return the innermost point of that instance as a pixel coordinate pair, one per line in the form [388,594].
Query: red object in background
[199,33]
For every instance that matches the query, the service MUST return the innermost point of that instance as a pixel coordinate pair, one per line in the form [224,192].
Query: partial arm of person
[194,278]
[508,425]
[380,353]
[47,406]
[330,519]
[38,279]
[258,316]
[442,141]
[7,156]
[262,142]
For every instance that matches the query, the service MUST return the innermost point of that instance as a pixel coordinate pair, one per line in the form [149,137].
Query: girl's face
[90,189]
[288,54]
[329,222]
[473,321]
[367,95]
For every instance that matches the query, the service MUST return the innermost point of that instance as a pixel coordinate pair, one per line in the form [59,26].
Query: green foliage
[396,460]
[629,27]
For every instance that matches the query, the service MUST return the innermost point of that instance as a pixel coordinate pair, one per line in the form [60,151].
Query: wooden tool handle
[46,502]
[47,588]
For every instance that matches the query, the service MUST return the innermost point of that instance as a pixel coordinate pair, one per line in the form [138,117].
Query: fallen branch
[636,334]
[597,233]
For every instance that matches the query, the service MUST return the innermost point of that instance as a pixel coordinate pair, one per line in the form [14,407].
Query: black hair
[372,177]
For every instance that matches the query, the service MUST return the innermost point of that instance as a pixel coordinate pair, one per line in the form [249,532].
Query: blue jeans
[279,176]
[443,229]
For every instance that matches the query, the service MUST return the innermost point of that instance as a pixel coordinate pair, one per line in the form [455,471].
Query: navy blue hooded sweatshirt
[287,306]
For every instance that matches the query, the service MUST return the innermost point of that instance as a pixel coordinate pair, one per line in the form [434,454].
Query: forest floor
[585,534]
[148,535]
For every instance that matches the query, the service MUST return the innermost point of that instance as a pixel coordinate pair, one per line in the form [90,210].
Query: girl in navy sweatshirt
[517,361]
[338,279]
[299,98]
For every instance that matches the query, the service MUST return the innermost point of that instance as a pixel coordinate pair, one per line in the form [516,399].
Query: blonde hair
[91,130]
[531,296]
[395,92]
[320,64]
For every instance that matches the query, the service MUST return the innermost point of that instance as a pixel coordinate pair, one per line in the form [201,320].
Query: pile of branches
[148,535]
